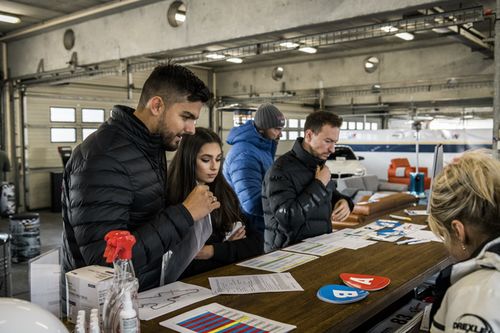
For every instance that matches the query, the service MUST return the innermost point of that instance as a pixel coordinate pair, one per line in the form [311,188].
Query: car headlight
[359,172]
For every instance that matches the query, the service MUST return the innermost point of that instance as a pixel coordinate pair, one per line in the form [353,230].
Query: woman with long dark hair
[198,160]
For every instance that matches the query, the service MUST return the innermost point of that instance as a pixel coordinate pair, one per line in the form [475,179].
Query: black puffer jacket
[116,179]
[296,205]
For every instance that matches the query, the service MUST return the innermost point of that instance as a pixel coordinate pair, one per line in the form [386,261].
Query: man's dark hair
[173,83]
[318,119]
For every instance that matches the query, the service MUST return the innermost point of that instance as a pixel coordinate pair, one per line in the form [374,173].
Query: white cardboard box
[86,288]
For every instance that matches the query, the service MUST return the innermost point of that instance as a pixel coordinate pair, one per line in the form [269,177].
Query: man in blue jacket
[254,147]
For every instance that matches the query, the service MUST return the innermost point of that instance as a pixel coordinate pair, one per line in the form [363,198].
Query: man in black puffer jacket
[116,179]
[298,196]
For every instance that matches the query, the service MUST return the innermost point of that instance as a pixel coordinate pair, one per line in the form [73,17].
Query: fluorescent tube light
[289,45]
[9,18]
[215,56]
[405,35]
[388,28]
[308,49]
[235,60]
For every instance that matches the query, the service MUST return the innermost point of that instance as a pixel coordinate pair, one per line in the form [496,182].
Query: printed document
[170,297]
[251,284]
[215,318]
[278,261]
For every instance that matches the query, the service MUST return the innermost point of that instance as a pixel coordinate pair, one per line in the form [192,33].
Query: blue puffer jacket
[246,165]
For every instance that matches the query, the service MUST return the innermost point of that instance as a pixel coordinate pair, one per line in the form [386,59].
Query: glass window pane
[359,125]
[62,114]
[92,115]
[293,123]
[302,123]
[351,125]
[63,135]
[344,125]
[87,131]
[283,136]
[302,134]
[374,126]
[292,135]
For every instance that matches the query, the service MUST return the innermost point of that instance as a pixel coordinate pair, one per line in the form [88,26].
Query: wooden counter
[406,265]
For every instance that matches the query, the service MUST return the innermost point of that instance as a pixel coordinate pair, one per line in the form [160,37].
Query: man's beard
[169,141]
[168,137]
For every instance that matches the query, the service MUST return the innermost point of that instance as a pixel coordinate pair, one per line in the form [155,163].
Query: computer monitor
[437,166]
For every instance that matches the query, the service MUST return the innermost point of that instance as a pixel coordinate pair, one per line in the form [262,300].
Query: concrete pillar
[496,98]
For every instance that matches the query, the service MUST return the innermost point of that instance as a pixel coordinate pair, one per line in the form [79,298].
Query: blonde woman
[465,213]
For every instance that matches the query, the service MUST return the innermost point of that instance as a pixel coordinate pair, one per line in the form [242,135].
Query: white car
[344,163]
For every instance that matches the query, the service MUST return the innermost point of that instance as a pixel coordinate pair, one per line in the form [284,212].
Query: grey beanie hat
[268,116]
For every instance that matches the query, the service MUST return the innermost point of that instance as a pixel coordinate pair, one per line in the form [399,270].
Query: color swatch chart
[215,318]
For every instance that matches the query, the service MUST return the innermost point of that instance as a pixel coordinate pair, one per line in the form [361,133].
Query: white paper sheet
[424,234]
[170,297]
[277,261]
[410,227]
[252,284]
[220,318]
[315,249]
[416,212]
[343,239]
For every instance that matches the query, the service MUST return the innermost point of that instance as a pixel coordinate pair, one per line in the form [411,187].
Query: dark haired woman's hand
[240,233]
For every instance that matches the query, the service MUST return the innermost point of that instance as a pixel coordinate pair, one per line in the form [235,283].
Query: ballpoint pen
[400,217]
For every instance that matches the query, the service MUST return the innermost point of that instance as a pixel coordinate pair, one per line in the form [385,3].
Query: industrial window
[240,117]
[374,126]
[59,114]
[359,125]
[293,123]
[283,135]
[87,131]
[351,125]
[293,135]
[92,115]
[62,134]
[344,125]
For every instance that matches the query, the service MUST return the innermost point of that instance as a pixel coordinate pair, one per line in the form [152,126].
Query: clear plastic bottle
[119,251]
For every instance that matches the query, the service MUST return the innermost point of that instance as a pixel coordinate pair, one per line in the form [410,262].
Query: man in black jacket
[116,179]
[298,196]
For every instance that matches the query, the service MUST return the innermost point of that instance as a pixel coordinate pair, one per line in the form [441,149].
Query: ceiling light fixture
[176,13]
[308,49]
[180,17]
[289,45]
[9,19]
[215,56]
[235,60]
[388,28]
[405,35]
[441,30]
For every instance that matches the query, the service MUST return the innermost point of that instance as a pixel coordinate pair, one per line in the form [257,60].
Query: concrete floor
[50,238]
